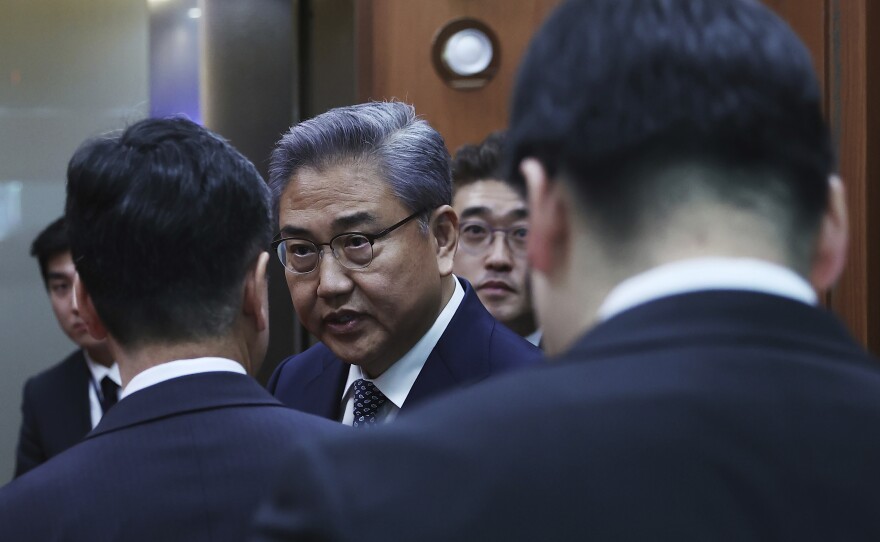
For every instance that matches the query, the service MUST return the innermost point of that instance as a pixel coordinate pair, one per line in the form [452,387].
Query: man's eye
[356,241]
[475,230]
[519,233]
[301,250]
[59,288]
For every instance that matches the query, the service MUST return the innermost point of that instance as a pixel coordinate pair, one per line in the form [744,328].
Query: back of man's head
[50,242]
[652,108]
[165,220]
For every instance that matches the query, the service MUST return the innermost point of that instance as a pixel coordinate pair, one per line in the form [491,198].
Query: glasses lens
[516,239]
[475,235]
[354,251]
[298,255]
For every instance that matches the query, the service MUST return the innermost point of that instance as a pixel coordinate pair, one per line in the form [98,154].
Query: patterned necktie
[367,400]
[109,393]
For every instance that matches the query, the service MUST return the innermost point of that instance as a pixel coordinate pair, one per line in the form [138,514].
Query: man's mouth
[343,321]
[498,287]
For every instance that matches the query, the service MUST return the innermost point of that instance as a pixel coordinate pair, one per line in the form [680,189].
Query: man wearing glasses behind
[367,238]
[496,265]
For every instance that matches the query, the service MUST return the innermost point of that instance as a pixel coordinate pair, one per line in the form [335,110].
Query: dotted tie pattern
[367,400]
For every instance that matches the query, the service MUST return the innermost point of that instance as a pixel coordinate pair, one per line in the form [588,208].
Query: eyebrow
[55,275]
[481,211]
[340,224]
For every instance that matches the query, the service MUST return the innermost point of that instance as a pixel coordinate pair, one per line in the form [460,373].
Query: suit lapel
[322,394]
[461,354]
[71,399]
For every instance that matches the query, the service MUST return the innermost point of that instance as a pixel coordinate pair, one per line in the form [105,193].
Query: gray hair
[410,155]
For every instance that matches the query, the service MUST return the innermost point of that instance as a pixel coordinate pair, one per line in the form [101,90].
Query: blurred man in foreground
[168,228]
[682,210]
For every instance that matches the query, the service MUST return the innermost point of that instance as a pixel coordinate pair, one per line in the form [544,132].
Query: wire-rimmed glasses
[476,236]
[353,250]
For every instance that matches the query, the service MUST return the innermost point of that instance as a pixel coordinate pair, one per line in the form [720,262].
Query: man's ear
[548,217]
[256,293]
[833,239]
[444,232]
[86,309]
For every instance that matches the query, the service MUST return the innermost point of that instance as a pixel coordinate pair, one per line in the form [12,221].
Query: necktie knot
[367,401]
[109,393]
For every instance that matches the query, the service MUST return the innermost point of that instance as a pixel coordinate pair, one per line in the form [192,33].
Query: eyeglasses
[477,236]
[353,250]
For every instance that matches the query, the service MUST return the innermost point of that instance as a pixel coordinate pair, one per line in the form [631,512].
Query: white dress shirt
[535,337]
[97,372]
[700,274]
[174,369]
[397,381]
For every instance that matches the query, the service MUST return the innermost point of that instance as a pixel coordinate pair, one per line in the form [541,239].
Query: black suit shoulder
[202,450]
[59,375]
[55,412]
[709,416]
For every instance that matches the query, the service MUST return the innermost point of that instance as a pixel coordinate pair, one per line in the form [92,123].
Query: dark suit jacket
[473,347]
[705,416]
[184,460]
[55,412]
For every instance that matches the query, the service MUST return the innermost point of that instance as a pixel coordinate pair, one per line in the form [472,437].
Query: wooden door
[394,59]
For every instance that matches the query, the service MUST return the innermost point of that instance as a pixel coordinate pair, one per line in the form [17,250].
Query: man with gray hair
[372,184]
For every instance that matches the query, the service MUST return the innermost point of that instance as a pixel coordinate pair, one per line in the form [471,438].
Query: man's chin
[505,313]
[82,338]
[348,352]
[89,343]
[366,360]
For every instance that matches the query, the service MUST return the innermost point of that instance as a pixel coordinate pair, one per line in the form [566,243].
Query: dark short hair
[410,155]
[165,220]
[613,93]
[50,242]
[480,162]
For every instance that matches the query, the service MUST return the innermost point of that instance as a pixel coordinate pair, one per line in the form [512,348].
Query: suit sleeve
[29,453]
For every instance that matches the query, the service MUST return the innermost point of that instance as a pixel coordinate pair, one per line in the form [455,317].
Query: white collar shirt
[700,274]
[175,369]
[397,381]
[535,337]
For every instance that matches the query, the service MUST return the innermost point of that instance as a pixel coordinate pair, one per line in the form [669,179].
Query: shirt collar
[99,371]
[173,369]
[396,382]
[535,337]
[707,274]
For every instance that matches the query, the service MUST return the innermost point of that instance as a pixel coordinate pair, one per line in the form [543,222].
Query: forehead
[314,199]
[61,264]
[490,197]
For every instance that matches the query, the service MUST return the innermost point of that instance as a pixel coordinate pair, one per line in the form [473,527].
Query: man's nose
[72,293]
[333,279]
[499,257]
